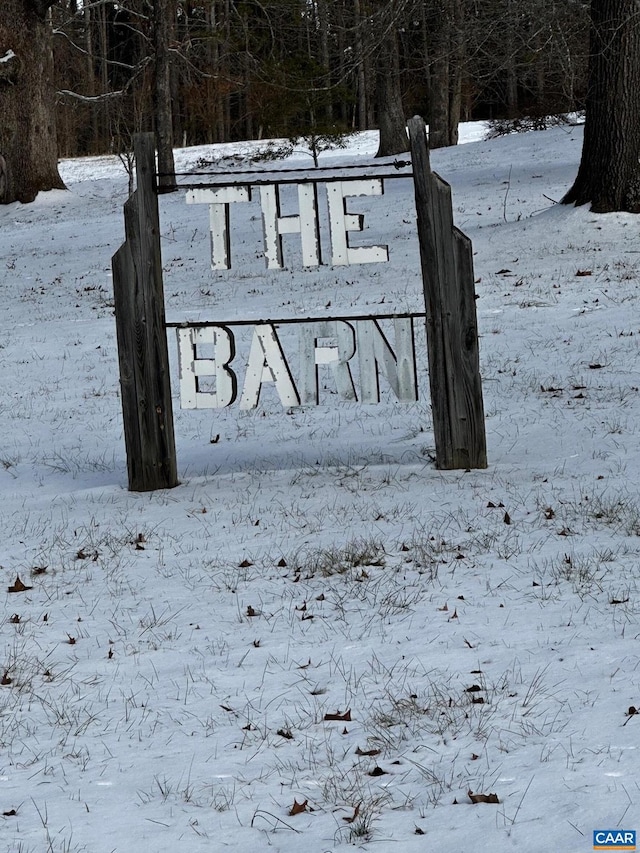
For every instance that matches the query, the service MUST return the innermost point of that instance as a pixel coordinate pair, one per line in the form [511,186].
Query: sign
[207,355]
[305,222]
[614,839]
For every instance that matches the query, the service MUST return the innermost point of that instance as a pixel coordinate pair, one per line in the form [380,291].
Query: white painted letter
[313,353]
[399,368]
[267,363]
[193,367]
[305,223]
[341,222]
[219,199]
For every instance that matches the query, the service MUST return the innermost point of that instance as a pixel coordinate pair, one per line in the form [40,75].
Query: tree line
[247,69]
[83,76]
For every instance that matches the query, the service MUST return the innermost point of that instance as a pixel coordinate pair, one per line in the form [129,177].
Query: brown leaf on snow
[377,771]
[482,798]
[298,808]
[245,564]
[5,680]
[355,814]
[18,586]
[475,688]
[343,718]
[584,272]
[368,752]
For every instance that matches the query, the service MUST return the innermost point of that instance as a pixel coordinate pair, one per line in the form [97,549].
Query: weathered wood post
[452,331]
[142,338]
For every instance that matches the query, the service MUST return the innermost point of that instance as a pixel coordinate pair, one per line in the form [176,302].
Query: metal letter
[337,356]
[219,199]
[267,363]
[274,225]
[192,368]
[399,368]
[342,222]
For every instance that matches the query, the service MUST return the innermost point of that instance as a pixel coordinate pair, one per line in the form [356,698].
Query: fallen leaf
[355,814]
[507,518]
[15,619]
[245,564]
[18,586]
[10,813]
[418,831]
[343,718]
[251,611]
[282,563]
[475,688]
[298,808]
[482,798]
[5,680]
[377,771]
[285,733]
[584,272]
[367,752]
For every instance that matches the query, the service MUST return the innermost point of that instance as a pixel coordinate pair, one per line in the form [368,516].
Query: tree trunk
[164,15]
[28,144]
[391,120]
[609,173]
[445,75]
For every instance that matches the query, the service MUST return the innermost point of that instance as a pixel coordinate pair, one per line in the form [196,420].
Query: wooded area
[241,69]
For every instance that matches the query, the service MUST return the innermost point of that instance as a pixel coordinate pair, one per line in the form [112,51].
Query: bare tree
[163,28]
[28,144]
[609,173]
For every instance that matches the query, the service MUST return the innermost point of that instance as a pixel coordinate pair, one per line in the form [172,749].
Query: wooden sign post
[452,330]
[142,338]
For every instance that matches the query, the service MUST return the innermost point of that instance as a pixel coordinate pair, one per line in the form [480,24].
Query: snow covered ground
[318,640]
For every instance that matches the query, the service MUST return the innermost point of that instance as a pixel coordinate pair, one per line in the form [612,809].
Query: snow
[167,674]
